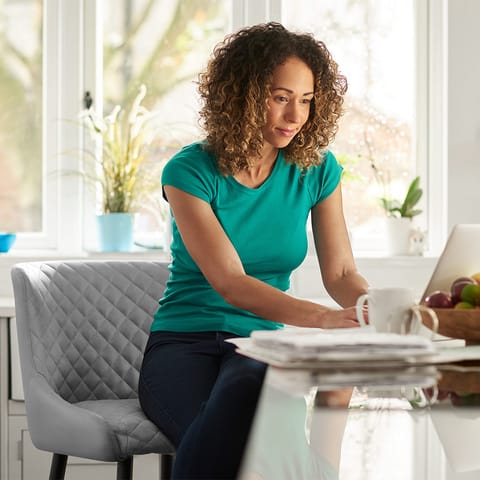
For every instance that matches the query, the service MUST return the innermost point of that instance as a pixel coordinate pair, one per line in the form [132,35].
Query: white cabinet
[19,459]
[4,393]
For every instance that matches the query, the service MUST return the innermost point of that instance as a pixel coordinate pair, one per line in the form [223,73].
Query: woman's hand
[344,318]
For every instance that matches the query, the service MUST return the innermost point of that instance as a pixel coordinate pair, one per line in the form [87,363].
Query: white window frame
[74,33]
[63,86]
[432,154]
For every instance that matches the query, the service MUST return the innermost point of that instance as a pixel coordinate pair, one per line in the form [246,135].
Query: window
[21,82]
[109,47]
[373,43]
[163,45]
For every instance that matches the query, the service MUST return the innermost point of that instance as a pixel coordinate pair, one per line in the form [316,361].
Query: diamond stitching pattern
[99,318]
[134,432]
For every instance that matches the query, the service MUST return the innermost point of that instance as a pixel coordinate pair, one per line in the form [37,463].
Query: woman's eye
[306,100]
[281,99]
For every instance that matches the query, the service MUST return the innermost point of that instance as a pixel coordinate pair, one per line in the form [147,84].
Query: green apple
[463,306]
[471,294]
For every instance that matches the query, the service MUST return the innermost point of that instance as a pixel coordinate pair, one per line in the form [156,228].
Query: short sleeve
[324,178]
[193,171]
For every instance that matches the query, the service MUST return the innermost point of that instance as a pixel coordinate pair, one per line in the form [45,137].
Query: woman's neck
[261,169]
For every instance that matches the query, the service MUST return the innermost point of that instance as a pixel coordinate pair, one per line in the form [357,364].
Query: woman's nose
[293,113]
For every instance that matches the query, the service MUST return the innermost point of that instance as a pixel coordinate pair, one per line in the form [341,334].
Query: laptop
[460,258]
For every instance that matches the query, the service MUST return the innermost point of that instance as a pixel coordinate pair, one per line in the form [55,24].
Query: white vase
[398,235]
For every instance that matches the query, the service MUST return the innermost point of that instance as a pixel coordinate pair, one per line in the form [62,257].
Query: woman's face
[289,102]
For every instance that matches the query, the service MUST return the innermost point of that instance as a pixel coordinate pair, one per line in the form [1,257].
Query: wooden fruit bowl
[459,382]
[463,324]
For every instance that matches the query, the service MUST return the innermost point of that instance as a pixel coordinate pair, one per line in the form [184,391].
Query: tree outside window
[21,115]
[162,44]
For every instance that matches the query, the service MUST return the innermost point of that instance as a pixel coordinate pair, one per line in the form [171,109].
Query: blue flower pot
[6,241]
[115,232]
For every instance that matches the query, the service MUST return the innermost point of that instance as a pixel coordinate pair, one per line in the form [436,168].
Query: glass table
[406,423]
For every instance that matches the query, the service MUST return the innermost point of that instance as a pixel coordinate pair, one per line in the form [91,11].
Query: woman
[240,202]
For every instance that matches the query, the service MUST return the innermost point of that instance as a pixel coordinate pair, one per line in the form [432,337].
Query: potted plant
[406,208]
[399,218]
[122,168]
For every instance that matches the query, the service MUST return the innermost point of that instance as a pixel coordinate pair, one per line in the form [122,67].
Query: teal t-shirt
[266,225]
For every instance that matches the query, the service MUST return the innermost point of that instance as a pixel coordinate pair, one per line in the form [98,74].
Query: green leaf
[413,196]
[390,204]
[412,213]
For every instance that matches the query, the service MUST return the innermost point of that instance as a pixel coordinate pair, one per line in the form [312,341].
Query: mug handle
[418,309]
[359,306]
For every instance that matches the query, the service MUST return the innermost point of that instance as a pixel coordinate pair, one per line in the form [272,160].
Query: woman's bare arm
[219,262]
[339,272]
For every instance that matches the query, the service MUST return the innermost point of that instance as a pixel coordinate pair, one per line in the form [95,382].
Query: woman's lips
[287,132]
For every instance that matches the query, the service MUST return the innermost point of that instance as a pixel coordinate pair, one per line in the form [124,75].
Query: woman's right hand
[343,318]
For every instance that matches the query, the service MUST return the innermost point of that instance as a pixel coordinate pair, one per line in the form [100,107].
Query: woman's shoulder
[193,170]
[193,152]
[322,179]
[327,159]
[193,156]
[327,162]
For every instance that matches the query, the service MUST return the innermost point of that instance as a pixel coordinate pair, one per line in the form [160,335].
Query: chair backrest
[83,325]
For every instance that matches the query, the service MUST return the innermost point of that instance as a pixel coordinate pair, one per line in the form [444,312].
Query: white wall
[463,112]
[407,272]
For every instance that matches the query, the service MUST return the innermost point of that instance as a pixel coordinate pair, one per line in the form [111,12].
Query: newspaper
[312,347]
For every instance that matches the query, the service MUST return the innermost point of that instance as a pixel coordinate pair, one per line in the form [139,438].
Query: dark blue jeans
[203,396]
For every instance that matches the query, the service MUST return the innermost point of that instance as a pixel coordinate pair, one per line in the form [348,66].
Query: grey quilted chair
[82,327]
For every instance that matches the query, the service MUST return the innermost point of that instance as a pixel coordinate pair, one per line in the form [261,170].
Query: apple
[463,306]
[439,299]
[476,277]
[457,287]
[471,294]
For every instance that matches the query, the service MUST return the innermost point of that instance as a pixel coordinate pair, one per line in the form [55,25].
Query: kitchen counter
[7,307]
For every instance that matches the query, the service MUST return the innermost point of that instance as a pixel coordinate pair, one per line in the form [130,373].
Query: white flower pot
[398,235]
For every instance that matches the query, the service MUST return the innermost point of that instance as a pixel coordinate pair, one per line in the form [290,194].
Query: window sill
[33,255]
[399,271]
[8,260]
[411,271]
[366,258]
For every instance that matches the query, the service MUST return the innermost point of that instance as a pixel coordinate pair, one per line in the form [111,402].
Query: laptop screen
[460,258]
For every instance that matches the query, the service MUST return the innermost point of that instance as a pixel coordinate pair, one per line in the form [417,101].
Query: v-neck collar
[267,181]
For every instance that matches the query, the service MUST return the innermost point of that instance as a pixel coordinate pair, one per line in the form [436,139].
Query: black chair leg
[125,469]
[166,466]
[58,467]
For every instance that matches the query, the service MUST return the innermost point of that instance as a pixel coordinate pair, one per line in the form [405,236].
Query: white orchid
[124,169]
[135,111]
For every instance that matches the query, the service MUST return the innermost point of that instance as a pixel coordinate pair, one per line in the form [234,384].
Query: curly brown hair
[236,85]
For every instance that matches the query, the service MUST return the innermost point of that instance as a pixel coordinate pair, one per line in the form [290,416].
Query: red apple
[439,299]
[457,287]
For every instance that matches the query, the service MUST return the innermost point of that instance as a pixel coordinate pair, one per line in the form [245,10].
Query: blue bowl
[6,241]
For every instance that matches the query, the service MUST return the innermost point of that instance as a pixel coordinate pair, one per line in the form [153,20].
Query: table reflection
[416,423]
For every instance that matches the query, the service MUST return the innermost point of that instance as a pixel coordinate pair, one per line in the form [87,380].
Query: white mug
[393,310]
